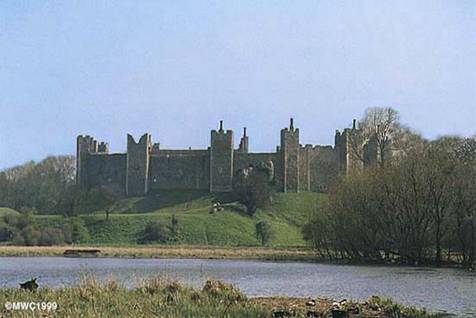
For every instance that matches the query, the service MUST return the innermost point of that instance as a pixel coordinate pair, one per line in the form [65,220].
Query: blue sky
[175,68]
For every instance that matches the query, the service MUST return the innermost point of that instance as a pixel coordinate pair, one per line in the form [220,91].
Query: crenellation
[146,168]
[103,147]
[85,147]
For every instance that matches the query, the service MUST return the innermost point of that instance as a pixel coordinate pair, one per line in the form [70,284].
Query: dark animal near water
[30,285]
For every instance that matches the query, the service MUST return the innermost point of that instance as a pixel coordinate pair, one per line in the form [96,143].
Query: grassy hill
[8,211]
[197,226]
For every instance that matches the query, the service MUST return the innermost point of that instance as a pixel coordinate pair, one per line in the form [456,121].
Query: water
[438,290]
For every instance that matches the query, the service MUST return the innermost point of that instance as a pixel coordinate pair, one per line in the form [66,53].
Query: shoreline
[172,251]
[276,254]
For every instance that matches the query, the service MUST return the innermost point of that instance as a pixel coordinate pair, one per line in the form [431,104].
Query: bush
[6,232]
[27,236]
[264,232]
[155,232]
[75,231]
[220,290]
[51,236]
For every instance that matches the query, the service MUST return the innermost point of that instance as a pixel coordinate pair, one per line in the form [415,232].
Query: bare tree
[381,126]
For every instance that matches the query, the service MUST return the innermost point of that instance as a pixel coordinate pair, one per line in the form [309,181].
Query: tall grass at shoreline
[159,297]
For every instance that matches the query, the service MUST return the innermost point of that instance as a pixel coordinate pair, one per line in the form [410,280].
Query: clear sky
[175,68]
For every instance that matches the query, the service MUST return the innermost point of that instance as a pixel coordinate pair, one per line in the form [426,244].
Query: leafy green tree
[38,187]
[254,187]
[97,199]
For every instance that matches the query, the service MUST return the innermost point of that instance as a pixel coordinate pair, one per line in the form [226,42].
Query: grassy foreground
[171,251]
[160,298]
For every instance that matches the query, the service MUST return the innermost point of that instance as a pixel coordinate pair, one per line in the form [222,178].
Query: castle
[146,168]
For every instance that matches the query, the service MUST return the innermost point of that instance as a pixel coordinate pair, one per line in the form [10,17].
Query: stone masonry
[146,168]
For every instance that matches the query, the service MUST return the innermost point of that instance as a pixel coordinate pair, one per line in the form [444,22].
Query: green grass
[158,297]
[152,298]
[231,227]
[8,211]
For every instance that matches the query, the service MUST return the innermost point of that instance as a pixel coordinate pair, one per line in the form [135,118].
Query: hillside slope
[197,226]
[8,211]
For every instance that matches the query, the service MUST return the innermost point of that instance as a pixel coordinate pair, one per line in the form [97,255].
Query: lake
[445,289]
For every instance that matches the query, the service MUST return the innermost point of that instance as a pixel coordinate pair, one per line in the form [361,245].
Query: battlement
[316,147]
[86,146]
[103,147]
[145,166]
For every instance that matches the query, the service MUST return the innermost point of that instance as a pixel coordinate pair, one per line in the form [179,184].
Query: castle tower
[340,146]
[138,156]
[290,157]
[221,160]
[243,142]
[349,149]
[371,151]
[85,145]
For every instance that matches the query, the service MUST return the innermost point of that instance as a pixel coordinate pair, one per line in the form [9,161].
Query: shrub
[27,236]
[75,231]
[264,232]
[155,232]
[6,232]
[220,290]
[51,236]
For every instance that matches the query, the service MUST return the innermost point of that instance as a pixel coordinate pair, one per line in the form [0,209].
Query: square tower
[290,157]
[221,160]
[138,157]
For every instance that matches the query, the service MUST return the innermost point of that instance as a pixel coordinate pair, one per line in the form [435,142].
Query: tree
[264,232]
[413,209]
[174,231]
[38,187]
[317,231]
[97,199]
[464,193]
[381,126]
[254,187]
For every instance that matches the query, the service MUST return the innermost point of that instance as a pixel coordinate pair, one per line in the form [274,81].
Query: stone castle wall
[106,171]
[147,168]
[179,169]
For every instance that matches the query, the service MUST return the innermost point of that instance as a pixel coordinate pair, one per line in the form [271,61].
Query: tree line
[416,206]
[45,187]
